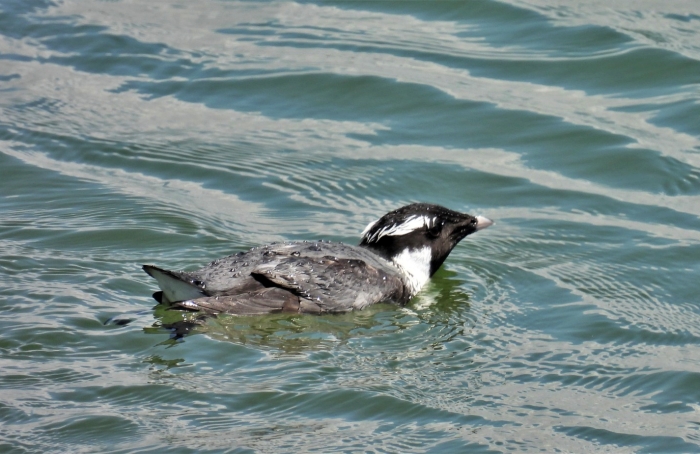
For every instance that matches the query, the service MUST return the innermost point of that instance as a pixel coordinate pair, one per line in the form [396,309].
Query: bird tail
[173,285]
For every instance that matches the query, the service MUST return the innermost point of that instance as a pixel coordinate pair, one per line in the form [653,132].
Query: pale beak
[482,222]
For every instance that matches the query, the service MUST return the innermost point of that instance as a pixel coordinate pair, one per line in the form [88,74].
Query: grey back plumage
[315,277]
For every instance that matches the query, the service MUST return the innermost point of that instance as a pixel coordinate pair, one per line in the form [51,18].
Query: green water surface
[173,133]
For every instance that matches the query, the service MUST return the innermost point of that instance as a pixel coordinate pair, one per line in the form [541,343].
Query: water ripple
[173,134]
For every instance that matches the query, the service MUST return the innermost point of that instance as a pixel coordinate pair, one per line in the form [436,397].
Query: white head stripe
[409,225]
[369,227]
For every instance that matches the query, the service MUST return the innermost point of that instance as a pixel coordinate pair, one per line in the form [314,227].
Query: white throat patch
[415,265]
[407,226]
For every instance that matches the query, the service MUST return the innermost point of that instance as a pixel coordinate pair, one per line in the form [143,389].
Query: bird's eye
[435,230]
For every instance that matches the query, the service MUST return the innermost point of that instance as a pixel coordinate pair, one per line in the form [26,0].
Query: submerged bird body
[397,255]
[296,277]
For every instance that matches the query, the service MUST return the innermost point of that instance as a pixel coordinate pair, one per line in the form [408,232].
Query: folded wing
[304,284]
